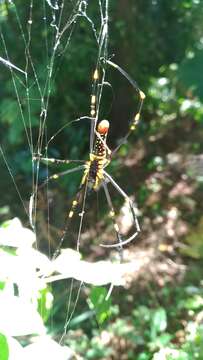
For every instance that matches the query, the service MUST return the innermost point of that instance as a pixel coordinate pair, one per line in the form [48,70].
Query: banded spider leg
[121,242]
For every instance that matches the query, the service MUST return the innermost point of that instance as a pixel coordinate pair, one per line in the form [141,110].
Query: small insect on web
[95,175]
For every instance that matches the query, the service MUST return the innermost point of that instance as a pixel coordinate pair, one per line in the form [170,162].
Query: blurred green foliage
[171,331]
[4,347]
[194,242]
[100,304]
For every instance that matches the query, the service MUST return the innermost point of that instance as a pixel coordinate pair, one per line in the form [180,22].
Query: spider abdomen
[96,171]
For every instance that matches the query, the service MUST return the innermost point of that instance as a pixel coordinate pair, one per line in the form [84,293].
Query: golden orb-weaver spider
[95,175]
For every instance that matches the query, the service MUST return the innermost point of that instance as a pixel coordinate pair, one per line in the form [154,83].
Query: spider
[95,175]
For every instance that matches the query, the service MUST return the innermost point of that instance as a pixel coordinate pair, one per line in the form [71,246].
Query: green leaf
[161,341]
[4,349]
[158,322]
[45,301]
[144,356]
[2,285]
[98,303]
[194,303]
[77,320]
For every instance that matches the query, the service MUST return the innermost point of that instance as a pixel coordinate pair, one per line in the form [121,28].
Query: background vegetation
[160,44]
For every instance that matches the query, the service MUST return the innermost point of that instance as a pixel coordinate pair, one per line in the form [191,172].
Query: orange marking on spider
[103,127]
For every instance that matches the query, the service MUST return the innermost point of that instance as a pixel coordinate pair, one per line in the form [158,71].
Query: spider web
[32,72]
[60,22]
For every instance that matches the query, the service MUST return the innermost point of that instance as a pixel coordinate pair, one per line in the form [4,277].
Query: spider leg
[94,106]
[112,215]
[141,95]
[56,176]
[95,102]
[126,197]
[57,161]
[133,211]
[75,203]
[33,201]
[98,81]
